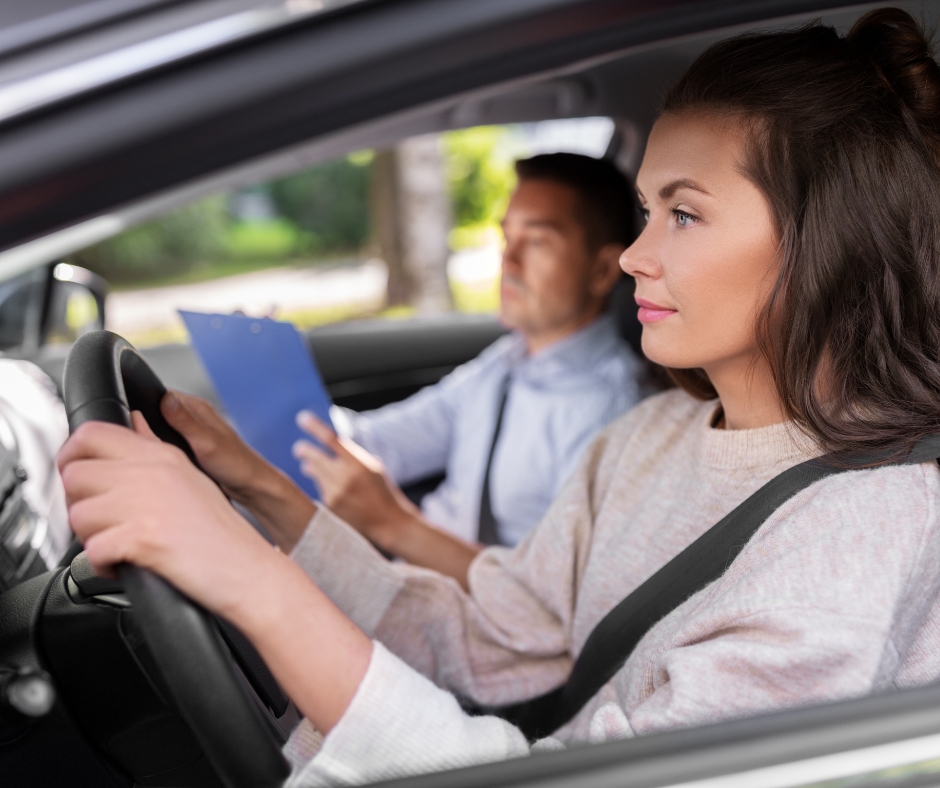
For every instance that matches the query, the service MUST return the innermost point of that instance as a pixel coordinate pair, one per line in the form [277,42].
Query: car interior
[119,655]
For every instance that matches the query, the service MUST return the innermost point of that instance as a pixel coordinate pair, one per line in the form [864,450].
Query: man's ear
[606,271]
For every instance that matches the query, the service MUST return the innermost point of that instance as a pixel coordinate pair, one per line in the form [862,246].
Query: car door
[73,167]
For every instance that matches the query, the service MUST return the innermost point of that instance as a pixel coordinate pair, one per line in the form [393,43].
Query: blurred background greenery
[313,217]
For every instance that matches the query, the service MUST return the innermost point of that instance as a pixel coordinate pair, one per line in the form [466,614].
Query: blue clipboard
[263,374]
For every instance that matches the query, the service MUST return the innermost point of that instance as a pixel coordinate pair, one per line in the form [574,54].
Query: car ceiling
[625,84]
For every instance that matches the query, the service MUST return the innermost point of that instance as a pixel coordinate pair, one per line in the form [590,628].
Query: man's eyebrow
[537,223]
[682,183]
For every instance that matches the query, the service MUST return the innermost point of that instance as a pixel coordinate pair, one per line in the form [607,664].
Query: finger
[106,549]
[99,440]
[360,455]
[301,450]
[317,429]
[203,413]
[330,485]
[319,466]
[201,409]
[85,478]
[141,427]
[94,514]
[175,410]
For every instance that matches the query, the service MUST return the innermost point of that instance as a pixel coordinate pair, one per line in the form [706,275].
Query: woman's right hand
[244,475]
[231,463]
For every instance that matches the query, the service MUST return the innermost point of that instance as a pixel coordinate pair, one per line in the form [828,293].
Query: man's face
[548,274]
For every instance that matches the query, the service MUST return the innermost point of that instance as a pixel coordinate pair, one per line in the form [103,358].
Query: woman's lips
[650,312]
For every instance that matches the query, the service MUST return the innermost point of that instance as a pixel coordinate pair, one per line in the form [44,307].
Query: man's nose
[512,261]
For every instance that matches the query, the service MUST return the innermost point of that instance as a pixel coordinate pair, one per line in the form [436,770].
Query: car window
[16,297]
[375,233]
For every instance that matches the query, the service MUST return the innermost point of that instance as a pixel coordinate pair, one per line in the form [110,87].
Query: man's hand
[243,474]
[353,484]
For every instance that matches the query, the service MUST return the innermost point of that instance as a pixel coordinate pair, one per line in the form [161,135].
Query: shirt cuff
[348,569]
[399,723]
[344,421]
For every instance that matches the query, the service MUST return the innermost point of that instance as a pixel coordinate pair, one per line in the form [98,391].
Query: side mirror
[74,304]
[51,305]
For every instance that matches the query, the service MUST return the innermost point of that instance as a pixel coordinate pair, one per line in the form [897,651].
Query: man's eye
[683,219]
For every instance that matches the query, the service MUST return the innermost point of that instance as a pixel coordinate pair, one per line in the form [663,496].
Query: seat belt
[705,560]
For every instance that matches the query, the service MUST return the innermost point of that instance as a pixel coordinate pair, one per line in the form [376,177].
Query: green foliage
[479,173]
[276,239]
[323,210]
[168,246]
[329,202]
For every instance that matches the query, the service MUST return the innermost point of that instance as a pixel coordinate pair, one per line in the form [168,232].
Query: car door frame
[181,122]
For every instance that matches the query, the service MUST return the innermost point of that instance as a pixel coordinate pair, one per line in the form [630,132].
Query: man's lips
[650,312]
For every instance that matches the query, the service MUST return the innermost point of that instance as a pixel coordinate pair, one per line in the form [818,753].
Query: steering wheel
[105,378]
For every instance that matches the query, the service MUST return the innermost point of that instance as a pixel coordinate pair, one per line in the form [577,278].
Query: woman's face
[706,259]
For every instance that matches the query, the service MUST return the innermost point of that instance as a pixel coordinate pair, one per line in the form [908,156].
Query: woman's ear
[606,272]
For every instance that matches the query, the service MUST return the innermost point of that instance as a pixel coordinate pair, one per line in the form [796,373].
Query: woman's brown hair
[845,145]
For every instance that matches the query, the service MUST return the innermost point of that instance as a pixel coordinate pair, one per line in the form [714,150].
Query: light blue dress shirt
[558,400]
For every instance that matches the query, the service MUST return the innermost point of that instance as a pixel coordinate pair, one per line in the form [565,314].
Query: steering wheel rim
[105,378]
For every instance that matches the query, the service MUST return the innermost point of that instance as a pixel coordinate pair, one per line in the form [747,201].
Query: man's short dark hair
[608,205]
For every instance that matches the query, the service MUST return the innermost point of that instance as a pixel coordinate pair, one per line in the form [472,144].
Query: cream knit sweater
[835,596]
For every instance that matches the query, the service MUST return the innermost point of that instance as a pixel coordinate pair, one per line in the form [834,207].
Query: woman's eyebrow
[682,183]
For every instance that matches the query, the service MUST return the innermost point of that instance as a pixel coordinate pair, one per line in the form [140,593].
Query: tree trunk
[411,218]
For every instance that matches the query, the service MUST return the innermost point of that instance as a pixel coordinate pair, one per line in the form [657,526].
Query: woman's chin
[667,353]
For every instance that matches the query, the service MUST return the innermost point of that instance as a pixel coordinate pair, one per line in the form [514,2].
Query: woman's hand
[243,474]
[233,464]
[132,498]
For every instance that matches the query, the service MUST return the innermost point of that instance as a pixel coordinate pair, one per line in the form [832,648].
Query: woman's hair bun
[895,44]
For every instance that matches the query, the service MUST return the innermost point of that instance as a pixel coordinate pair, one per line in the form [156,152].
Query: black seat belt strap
[701,563]
[488,532]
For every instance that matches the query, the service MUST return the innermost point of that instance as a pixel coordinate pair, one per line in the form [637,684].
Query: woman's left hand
[133,498]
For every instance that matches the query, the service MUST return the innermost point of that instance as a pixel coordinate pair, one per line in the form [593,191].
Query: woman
[790,267]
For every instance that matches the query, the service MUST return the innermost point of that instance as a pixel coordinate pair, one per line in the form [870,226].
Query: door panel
[368,364]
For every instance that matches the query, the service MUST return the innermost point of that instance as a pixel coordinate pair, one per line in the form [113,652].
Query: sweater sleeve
[508,639]
[399,724]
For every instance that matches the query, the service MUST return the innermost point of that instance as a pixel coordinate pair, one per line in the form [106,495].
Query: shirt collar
[577,352]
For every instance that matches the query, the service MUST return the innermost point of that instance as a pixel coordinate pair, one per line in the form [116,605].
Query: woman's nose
[638,259]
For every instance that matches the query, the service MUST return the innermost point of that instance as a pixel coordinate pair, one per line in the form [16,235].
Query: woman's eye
[644,214]
[683,219]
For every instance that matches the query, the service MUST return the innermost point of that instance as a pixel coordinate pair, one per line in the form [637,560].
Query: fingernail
[297,449]
[303,417]
[171,402]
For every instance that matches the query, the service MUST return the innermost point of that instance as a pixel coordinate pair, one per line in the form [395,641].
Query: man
[509,427]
